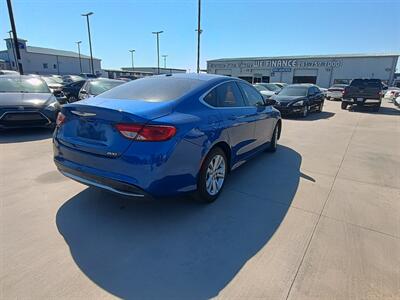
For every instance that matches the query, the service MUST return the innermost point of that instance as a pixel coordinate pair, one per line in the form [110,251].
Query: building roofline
[29,48]
[119,70]
[350,55]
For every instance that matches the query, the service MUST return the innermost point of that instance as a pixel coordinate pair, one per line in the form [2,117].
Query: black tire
[329,98]
[320,107]
[377,107]
[274,140]
[202,193]
[344,105]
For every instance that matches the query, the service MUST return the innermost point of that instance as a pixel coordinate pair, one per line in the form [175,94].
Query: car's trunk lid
[90,124]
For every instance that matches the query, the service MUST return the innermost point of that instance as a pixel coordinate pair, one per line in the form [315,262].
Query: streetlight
[133,65]
[79,53]
[158,49]
[165,60]
[90,40]
[15,39]
[199,31]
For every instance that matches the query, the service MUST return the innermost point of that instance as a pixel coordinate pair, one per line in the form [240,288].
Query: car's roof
[19,76]
[195,76]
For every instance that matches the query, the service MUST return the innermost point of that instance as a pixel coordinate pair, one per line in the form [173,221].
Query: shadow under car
[179,248]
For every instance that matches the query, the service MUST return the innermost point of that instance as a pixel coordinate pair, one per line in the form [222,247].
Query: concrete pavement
[318,219]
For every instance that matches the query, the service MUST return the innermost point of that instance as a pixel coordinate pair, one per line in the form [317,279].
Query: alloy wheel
[215,175]
[305,112]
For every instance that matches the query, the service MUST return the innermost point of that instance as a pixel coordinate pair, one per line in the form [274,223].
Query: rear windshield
[23,85]
[294,91]
[260,88]
[271,87]
[52,80]
[154,89]
[366,82]
[97,87]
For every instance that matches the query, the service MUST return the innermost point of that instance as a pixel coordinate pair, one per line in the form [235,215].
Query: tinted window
[23,85]
[260,88]
[270,86]
[366,83]
[294,91]
[154,89]
[253,97]
[225,95]
[314,90]
[97,87]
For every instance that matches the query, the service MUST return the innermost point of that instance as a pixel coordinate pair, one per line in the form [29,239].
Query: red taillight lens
[146,133]
[60,119]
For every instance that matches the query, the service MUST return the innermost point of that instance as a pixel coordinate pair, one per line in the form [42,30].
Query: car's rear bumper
[334,95]
[109,184]
[362,101]
[144,169]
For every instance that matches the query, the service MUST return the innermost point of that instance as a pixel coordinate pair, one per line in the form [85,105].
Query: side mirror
[268,102]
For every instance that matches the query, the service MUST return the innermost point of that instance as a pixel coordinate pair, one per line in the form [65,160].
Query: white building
[323,70]
[38,60]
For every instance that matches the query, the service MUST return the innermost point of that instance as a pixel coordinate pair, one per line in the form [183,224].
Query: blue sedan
[165,135]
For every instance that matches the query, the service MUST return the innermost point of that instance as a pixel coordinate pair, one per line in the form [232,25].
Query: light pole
[158,49]
[165,60]
[15,39]
[133,65]
[79,54]
[90,40]
[199,31]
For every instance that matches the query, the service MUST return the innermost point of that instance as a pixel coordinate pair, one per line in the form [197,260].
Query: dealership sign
[284,65]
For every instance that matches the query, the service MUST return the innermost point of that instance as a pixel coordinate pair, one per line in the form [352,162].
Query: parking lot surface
[318,219]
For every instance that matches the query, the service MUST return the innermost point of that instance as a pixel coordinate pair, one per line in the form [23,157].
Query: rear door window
[253,97]
[225,95]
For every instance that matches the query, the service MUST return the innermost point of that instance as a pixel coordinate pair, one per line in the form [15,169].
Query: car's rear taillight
[146,133]
[60,119]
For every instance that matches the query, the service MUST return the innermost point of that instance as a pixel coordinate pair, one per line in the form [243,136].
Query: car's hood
[281,98]
[145,109]
[24,99]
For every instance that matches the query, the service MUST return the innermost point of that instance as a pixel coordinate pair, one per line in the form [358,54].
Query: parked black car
[71,78]
[26,101]
[363,92]
[299,99]
[94,87]
[55,85]
[71,90]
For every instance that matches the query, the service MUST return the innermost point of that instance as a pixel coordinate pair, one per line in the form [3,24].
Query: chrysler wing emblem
[82,113]
[20,108]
